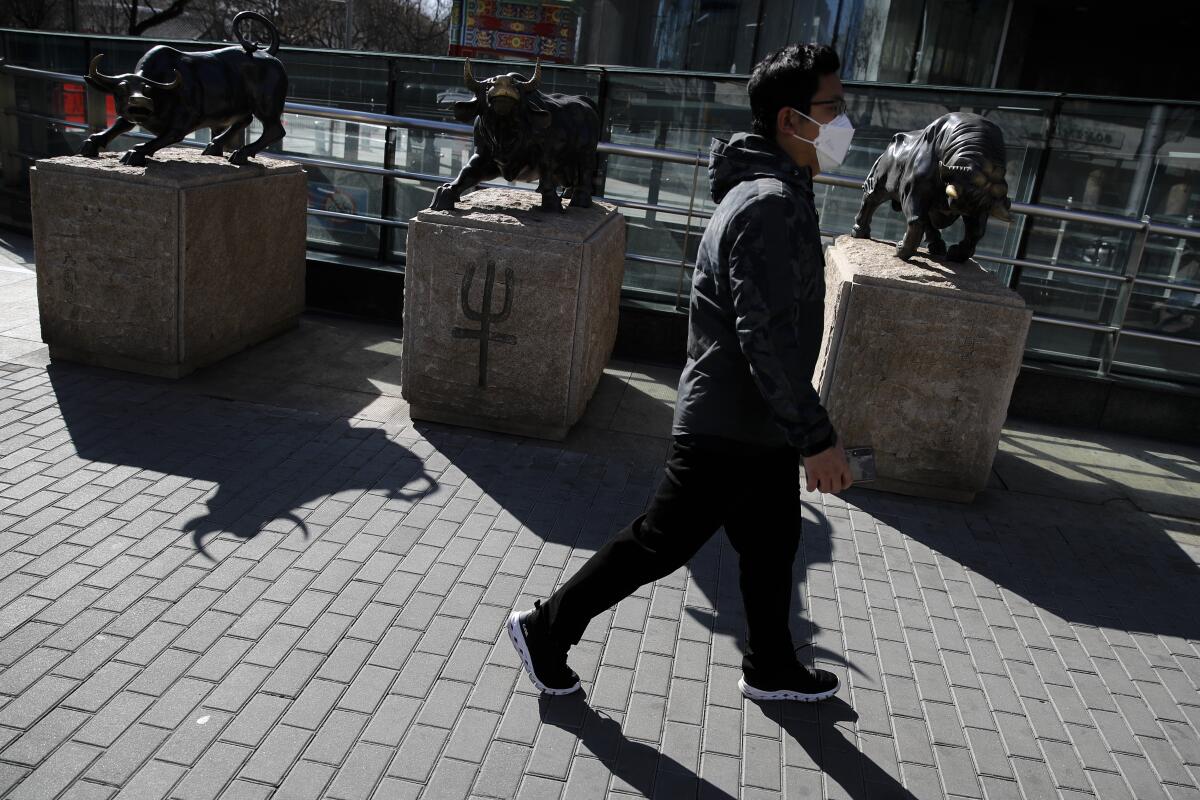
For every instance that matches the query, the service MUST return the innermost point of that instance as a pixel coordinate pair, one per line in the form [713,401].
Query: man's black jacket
[757,305]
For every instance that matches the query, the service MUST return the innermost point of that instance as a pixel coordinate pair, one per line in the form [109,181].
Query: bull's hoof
[89,149]
[239,156]
[552,203]
[583,201]
[213,149]
[904,253]
[132,158]
[937,248]
[959,253]
[860,232]
[443,199]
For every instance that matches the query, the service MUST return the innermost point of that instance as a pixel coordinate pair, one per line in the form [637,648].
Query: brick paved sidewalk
[202,598]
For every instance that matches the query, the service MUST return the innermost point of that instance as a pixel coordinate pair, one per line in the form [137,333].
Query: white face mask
[832,143]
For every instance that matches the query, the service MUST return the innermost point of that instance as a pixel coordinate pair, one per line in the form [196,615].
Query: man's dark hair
[788,77]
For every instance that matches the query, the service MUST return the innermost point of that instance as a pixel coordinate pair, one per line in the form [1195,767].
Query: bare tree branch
[138,27]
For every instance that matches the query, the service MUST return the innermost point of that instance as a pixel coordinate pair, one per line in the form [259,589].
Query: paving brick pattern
[208,599]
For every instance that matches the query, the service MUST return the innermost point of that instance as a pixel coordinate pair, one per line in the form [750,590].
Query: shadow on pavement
[238,468]
[638,765]
[1099,565]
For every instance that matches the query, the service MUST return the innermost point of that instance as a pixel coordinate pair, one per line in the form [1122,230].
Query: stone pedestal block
[918,361]
[165,268]
[510,313]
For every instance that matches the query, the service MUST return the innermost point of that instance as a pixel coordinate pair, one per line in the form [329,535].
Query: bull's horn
[469,78]
[951,191]
[105,81]
[172,85]
[535,81]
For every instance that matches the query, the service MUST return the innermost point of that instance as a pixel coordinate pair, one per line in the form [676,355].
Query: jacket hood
[748,157]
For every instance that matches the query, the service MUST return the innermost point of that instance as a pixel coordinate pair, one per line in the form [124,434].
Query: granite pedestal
[165,268]
[510,312]
[918,361]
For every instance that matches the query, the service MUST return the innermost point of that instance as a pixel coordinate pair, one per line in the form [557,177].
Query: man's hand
[828,471]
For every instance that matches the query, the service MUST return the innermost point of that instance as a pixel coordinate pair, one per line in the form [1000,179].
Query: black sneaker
[802,684]
[545,663]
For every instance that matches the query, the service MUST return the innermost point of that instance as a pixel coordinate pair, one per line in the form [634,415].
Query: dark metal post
[1036,195]
[1125,294]
[9,131]
[387,204]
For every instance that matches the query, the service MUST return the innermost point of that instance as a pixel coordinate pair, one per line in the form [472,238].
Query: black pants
[708,482]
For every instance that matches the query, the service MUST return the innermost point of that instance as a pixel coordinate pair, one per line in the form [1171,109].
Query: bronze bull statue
[524,134]
[172,93]
[952,168]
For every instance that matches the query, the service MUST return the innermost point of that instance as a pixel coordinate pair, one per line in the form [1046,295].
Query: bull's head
[974,187]
[503,95]
[132,93]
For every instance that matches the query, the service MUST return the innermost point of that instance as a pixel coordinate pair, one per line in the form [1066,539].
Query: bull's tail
[251,45]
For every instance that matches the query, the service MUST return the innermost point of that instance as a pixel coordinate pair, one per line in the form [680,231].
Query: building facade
[1082,47]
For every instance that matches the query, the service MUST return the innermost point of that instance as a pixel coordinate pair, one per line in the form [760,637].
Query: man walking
[747,413]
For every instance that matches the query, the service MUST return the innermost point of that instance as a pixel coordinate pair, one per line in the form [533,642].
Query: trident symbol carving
[485,317]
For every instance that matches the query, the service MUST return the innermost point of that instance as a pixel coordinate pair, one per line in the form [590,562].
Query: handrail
[1024,262]
[43,74]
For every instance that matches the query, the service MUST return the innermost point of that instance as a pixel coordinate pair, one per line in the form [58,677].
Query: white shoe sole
[783,694]
[519,644]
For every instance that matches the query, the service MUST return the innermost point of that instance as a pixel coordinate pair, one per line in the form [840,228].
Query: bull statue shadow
[230,468]
[524,134]
[171,93]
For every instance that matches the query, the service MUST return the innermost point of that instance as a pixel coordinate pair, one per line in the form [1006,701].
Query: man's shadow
[655,775]
[241,468]
[820,728]
[642,767]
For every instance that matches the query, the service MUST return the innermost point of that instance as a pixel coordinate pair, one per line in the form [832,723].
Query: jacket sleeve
[762,255]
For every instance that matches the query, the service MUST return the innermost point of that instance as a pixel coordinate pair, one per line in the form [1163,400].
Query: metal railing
[1129,278]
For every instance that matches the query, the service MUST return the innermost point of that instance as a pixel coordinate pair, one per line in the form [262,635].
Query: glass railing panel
[1168,361]
[1164,302]
[346,192]
[358,83]
[1069,346]
[42,51]
[674,112]
[1075,297]
[1095,163]
[38,102]
[1166,312]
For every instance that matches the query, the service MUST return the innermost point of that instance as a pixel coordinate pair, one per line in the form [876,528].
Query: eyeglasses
[838,103]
